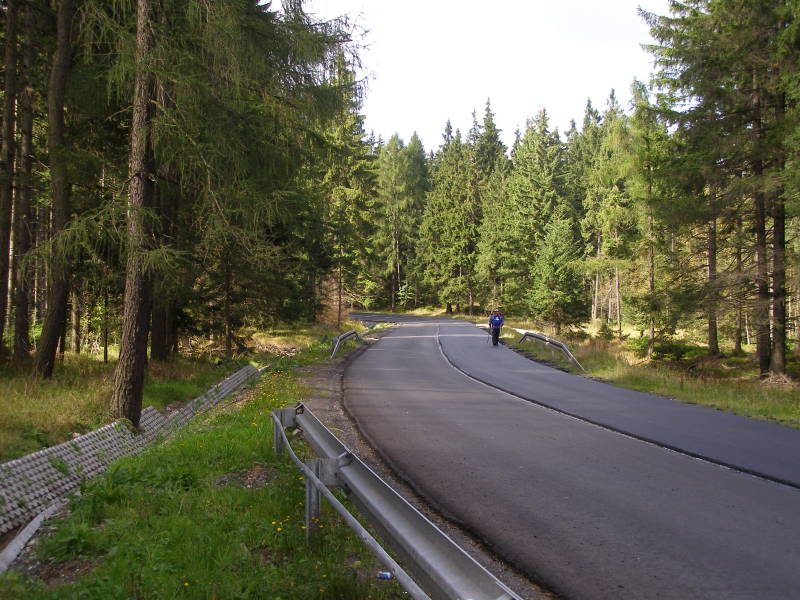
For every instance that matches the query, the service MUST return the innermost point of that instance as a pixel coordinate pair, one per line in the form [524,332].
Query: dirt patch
[257,476]
[326,401]
[68,571]
[779,380]
[269,556]
[275,349]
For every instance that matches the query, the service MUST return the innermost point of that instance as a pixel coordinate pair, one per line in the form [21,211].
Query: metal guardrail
[339,340]
[439,565]
[548,341]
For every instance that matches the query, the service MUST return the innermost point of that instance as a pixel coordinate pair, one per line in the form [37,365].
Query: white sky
[433,60]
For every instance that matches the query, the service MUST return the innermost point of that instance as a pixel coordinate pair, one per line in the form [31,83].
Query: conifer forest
[181,168]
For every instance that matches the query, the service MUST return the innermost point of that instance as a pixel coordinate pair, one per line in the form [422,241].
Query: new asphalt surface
[588,511]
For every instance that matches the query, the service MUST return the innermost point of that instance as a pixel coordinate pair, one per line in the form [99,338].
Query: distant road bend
[593,490]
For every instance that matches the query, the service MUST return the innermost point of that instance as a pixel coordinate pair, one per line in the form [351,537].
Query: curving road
[588,511]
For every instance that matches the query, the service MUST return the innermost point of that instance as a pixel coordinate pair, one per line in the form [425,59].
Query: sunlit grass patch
[291,338]
[35,413]
[38,413]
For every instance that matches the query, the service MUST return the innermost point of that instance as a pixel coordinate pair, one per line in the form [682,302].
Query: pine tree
[557,292]
[530,194]
[608,224]
[349,181]
[418,187]
[646,152]
[446,229]
[126,397]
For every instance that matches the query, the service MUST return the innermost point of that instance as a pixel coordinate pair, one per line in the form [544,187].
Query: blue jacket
[496,321]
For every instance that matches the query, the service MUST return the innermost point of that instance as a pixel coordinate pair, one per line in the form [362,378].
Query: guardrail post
[277,438]
[281,418]
[313,499]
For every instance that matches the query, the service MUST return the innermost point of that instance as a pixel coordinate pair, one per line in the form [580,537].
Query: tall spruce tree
[349,181]
[557,291]
[533,191]
[446,229]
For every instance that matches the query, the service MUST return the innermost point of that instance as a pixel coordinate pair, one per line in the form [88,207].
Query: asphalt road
[587,511]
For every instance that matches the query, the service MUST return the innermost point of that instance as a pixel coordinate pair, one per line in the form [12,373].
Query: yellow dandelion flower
[279,529]
[185,584]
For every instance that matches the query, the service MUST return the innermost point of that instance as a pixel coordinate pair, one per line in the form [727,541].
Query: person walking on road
[496,321]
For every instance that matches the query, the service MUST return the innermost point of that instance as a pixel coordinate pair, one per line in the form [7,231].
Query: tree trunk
[761,312]
[41,275]
[77,315]
[62,341]
[7,158]
[596,292]
[339,293]
[737,336]
[778,358]
[737,339]
[105,323]
[159,328]
[227,311]
[56,315]
[747,329]
[761,309]
[619,302]
[126,399]
[651,285]
[22,216]
[712,300]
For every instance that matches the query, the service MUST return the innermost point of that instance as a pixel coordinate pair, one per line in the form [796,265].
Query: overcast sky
[428,61]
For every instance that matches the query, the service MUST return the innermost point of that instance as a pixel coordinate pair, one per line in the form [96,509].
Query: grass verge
[179,520]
